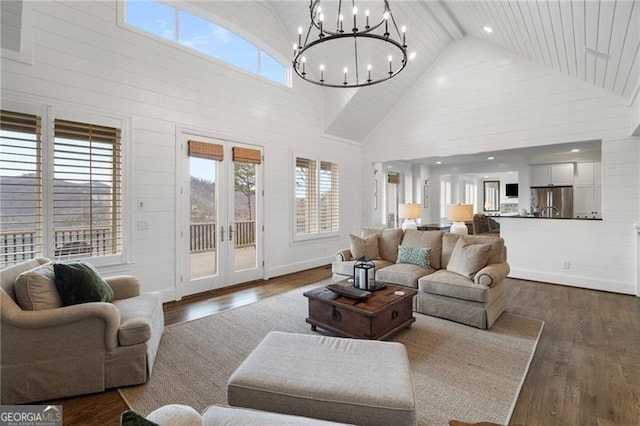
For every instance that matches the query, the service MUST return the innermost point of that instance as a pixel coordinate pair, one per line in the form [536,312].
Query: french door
[219,214]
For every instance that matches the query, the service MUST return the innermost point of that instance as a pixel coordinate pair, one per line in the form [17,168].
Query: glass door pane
[244,238]
[203,206]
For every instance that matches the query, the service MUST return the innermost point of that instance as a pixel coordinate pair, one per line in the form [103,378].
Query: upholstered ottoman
[343,380]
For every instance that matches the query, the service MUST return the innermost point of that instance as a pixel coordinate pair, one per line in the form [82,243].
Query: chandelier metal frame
[327,35]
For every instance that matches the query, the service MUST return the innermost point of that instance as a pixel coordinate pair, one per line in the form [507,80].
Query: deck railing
[204,236]
[17,246]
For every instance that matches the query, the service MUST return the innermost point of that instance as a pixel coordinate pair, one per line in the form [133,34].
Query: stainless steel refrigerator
[552,201]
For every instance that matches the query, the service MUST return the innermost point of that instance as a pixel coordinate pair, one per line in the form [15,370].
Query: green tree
[245,182]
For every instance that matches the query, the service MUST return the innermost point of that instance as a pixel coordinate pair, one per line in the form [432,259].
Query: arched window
[204,36]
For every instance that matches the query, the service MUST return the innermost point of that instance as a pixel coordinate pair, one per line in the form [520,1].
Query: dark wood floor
[586,369]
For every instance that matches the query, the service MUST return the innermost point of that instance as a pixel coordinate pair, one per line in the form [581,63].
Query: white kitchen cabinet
[588,174]
[552,174]
[587,191]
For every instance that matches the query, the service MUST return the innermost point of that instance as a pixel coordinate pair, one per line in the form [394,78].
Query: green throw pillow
[131,418]
[78,282]
[414,255]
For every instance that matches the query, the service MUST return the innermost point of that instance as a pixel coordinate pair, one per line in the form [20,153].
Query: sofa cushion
[414,255]
[136,316]
[78,282]
[402,274]
[346,268]
[428,239]
[219,415]
[36,289]
[10,274]
[467,258]
[496,255]
[367,246]
[450,284]
[388,241]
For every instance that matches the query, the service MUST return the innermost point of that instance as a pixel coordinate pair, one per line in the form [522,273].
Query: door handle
[231,231]
[222,233]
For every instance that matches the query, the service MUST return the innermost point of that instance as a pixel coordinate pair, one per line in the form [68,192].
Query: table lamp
[459,214]
[409,212]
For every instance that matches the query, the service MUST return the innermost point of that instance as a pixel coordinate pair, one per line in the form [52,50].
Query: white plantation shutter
[21,187]
[87,204]
[306,199]
[316,197]
[328,196]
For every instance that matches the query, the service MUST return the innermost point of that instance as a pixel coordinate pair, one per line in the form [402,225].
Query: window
[77,212]
[445,197]
[86,189]
[471,193]
[20,187]
[202,35]
[316,197]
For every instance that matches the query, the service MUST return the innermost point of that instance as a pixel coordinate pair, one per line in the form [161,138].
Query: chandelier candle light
[341,56]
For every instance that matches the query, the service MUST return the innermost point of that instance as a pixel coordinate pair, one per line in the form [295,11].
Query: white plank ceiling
[595,41]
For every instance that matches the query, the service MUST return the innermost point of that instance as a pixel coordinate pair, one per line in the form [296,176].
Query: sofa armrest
[124,286]
[50,321]
[492,274]
[344,255]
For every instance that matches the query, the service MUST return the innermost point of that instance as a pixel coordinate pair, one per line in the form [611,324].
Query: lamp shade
[459,212]
[409,211]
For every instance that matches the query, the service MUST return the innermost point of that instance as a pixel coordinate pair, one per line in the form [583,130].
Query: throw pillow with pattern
[414,256]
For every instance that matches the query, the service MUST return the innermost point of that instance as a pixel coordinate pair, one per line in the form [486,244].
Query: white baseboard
[575,281]
[290,268]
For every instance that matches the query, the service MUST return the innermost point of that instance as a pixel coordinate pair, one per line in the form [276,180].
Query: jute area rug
[458,372]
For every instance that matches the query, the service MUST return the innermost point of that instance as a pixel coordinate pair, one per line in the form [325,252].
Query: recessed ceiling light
[438,162]
[487,29]
[491,158]
[575,150]
[412,55]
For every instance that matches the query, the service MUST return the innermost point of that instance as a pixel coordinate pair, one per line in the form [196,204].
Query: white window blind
[87,205]
[20,187]
[328,197]
[306,199]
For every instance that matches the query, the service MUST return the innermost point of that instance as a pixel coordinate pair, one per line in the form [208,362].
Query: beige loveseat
[77,349]
[467,290]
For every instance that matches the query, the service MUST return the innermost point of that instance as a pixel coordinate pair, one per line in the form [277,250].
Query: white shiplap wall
[83,59]
[479,98]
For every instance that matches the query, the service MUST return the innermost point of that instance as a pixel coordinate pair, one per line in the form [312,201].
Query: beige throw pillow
[388,241]
[36,289]
[367,246]
[467,259]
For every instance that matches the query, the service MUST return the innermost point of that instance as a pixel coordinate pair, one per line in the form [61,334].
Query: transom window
[204,36]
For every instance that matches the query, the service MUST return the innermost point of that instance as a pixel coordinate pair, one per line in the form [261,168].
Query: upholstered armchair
[71,350]
[483,225]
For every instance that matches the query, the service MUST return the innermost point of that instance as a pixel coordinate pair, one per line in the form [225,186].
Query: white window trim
[48,113]
[101,119]
[318,235]
[190,8]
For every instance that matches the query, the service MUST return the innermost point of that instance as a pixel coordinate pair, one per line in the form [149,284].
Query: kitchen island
[589,253]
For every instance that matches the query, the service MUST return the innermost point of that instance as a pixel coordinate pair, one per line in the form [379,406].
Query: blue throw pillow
[414,255]
[78,282]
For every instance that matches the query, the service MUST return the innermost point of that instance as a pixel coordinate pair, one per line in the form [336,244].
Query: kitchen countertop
[545,218]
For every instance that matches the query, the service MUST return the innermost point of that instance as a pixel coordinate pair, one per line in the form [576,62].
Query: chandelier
[350,51]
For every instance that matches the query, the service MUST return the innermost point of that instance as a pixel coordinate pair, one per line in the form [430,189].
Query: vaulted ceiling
[595,41]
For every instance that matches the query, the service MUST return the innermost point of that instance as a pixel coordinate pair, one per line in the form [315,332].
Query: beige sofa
[471,297]
[77,349]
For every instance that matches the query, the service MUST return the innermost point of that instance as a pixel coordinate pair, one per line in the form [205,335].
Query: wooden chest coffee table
[374,318]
